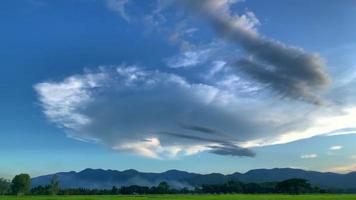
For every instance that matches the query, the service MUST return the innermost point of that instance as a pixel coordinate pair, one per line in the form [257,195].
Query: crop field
[188,197]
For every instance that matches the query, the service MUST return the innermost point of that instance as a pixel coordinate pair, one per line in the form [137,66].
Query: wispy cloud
[119,6]
[189,58]
[345,131]
[336,147]
[309,156]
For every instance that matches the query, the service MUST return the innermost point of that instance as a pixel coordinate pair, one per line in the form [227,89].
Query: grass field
[189,197]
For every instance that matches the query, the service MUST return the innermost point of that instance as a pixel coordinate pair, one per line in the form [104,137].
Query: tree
[163,188]
[294,186]
[4,186]
[234,187]
[114,190]
[54,185]
[20,184]
[40,190]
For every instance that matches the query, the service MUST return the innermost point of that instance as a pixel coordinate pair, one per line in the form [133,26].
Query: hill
[105,179]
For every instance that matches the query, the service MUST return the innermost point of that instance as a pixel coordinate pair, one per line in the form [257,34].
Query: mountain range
[105,179]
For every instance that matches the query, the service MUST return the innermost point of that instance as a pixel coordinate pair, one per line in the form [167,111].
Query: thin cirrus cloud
[189,59]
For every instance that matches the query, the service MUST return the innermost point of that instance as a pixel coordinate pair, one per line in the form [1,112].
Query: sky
[203,86]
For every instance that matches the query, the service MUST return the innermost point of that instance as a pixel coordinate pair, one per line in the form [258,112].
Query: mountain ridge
[105,179]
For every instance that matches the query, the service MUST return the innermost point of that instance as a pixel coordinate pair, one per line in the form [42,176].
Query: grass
[187,197]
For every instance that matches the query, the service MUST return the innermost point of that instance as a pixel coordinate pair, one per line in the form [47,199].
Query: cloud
[151,113]
[343,169]
[334,148]
[232,151]
[213,55]
[329,122]
[217,66]
[309,156]
[188,59]
[163,115]
[212,108]
[201,129]
[61,100]
[344,131]
[119,7]
[289,71]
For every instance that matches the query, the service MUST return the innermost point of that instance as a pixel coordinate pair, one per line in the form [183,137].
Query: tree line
[21,185]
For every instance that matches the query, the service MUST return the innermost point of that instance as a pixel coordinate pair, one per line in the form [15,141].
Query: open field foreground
[189,197]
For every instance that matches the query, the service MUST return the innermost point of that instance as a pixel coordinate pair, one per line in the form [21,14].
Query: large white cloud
[148,112]
[162,115]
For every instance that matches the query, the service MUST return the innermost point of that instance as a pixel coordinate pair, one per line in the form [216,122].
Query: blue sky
[157,85]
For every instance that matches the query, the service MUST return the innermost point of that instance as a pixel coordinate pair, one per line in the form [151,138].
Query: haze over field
[201,86]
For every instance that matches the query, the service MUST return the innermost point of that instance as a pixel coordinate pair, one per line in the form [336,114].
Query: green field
[188,197]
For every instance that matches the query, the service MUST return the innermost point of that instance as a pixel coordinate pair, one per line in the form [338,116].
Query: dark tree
[41,190]
[4,186]
[234,187]
[135,189]
[114,190]
[20,184]
[163,188]
[294,186]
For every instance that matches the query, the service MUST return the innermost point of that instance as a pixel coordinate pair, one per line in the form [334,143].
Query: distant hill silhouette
[105,179]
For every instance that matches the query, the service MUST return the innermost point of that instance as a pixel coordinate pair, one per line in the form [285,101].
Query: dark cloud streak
[194,137]
[202,129]
[232,151]
[223,147]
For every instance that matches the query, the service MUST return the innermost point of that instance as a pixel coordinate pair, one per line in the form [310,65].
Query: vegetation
[20,184]
[54,186]
[188,197]
[4,186]
[294,186]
